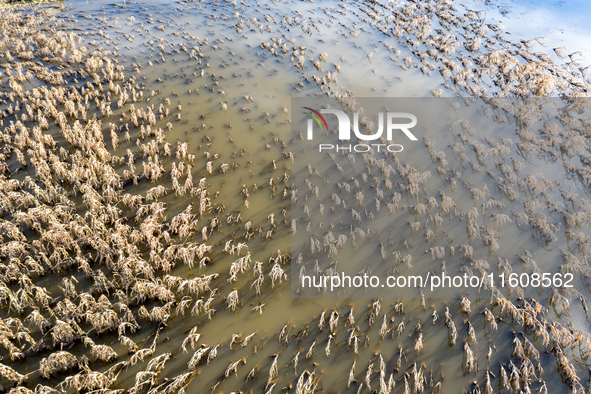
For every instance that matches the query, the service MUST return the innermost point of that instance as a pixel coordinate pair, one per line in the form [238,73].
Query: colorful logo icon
[315,115]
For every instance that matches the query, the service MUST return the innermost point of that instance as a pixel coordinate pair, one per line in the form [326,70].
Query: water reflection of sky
[564,22]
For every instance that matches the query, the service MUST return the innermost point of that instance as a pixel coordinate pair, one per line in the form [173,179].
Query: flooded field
[153,184]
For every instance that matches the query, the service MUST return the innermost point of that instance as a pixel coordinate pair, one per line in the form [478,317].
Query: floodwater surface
[154,187]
